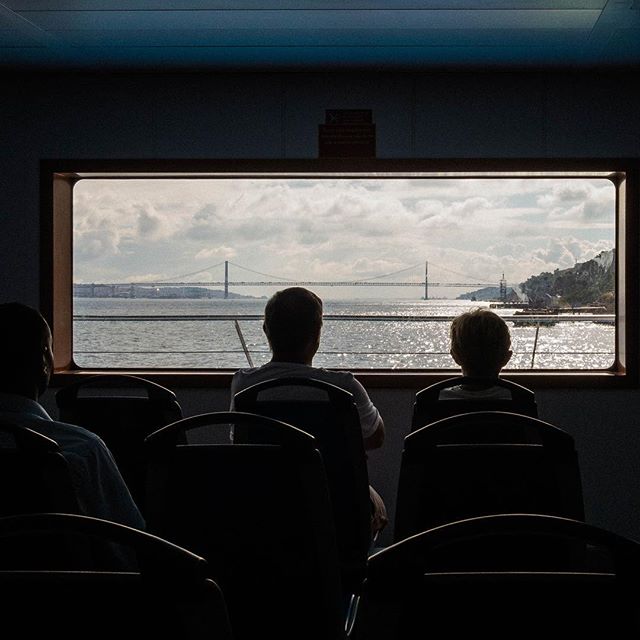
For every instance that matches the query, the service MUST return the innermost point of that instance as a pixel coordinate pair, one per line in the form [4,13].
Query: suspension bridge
[275,281]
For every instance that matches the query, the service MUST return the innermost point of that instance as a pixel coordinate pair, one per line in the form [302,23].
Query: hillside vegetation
[587,283]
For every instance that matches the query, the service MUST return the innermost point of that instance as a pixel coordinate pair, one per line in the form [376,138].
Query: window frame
[58,177]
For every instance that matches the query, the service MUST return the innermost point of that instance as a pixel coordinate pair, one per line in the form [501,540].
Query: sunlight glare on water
[352,344]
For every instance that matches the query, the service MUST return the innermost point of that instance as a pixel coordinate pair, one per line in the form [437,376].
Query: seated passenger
[27,364]
[481,345]
[292,324]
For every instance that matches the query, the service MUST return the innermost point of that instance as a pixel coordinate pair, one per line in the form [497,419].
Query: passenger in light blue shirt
[27,363]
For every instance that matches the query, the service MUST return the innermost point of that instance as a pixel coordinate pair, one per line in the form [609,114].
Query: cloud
[566,191]
[221,253]
[565,253]
[149,225]
[580,202]
[340,228]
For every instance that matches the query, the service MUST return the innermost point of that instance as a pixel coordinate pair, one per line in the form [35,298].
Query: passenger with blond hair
[481,345]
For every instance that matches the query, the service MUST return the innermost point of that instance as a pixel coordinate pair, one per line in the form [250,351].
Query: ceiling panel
[258,34]
[327,37]
[296,58]
[239,5]
[14,39]
[168,20]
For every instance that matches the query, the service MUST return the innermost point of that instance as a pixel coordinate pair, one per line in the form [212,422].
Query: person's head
[480,343]
[25,350]
[292,324]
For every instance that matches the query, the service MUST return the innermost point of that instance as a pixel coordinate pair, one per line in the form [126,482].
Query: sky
[469,230]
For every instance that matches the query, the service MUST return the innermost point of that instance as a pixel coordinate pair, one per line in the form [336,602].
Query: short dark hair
[292,318]
[23,332]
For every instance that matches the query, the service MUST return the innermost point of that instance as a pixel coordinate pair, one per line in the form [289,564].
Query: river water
[348,344]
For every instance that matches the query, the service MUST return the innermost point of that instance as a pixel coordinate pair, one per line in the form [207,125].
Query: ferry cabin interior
[474,80]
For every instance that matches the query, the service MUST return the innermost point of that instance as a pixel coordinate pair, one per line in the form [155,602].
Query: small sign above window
[347,133]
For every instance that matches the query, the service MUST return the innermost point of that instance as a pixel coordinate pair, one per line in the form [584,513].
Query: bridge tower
[503,289]
[226,279]
[426,280]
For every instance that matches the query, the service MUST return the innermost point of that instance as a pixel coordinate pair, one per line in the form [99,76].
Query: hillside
[587,283]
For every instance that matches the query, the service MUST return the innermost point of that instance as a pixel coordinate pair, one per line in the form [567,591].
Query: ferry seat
[123,410]
[329,414]
[34,477]
[168,596]
[261,516]
[483,463]
[479,578]
[429,407]
[33,473]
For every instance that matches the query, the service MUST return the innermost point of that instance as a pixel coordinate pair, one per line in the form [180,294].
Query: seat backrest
[169,597]
[261,516]
[489,577]
[34,477]
[429,406]
[123,421]
[486,463]
[329,414]
[33,473]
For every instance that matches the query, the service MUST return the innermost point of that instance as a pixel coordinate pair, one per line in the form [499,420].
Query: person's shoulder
[251,373]
[332,376]
[241,373]
[343,379]
[452,393]
[71,436]
[244,378]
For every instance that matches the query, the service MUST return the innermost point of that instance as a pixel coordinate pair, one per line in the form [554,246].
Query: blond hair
[480,342]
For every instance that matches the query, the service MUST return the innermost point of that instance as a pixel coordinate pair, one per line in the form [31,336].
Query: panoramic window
[173,272]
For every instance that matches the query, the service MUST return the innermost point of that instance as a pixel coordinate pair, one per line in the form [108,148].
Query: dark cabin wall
[246,115]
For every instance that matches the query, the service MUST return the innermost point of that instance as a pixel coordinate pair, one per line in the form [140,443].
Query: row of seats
[467,459]
[170,595]
[283,520]
[525,576]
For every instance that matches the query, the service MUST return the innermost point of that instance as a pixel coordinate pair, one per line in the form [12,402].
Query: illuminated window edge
[59,176]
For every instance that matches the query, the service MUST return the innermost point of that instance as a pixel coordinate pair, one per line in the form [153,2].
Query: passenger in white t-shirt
[292,324]
[481,345]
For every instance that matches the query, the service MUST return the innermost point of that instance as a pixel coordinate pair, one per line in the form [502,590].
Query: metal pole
[243,343]
[535,345]
[426,280]
[226,279]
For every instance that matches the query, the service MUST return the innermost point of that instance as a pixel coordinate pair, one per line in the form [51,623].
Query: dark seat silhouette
[169,597]
[329,414]
[260,514]
[123,421]
[34,477]
[484,463]
[429,407]
[479,578]
[33,473]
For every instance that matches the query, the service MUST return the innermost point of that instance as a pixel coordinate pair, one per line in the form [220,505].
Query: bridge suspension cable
[260,273]
[457,273]
[393,273]
[194,273]
[285,279]
[282,281]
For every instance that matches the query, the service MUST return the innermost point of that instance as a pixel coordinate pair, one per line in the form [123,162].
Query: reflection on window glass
[163,268]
